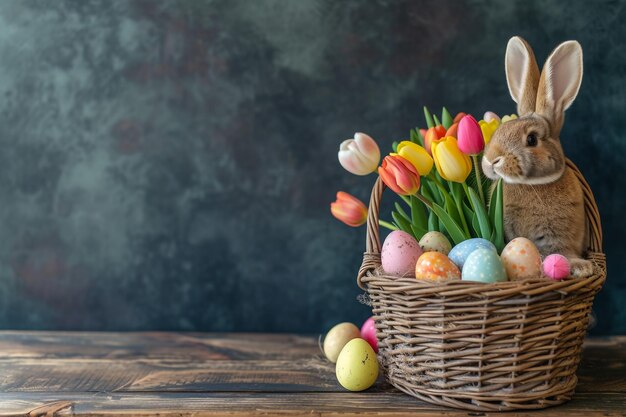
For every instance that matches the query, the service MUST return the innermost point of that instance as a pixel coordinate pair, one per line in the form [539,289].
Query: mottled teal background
[169,164]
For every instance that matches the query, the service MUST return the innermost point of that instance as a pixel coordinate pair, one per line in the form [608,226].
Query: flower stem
[479,181]
[387,225]
[424,200]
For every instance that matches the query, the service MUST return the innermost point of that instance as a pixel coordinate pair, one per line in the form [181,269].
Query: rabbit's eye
[531,140]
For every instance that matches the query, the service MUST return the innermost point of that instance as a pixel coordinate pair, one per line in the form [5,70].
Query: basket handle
[371,257]
[594,225]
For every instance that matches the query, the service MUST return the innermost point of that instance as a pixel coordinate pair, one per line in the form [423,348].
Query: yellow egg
[357,366]
[436,266]
[337,338]
[521,259]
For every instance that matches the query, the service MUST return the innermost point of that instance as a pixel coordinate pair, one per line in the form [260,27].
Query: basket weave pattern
[482,347]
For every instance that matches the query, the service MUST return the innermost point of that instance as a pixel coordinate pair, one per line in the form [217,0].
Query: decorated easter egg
[368,333]
[460,252]
[556,266]
[400,253]
[436,266]
[435,242]
[521,259]
[357,366]
[483,265]
[337,338]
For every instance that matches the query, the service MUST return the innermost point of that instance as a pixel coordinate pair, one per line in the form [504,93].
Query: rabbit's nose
[497,162]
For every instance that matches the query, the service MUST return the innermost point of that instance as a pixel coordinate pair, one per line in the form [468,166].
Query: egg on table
[436,266]
[435,242]
[483,265]
[521,259]
[399,254]
[337,338]
[460,252]
[368,333]
[357,366]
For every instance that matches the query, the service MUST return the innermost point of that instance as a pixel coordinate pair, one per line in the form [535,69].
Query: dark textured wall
[168,165]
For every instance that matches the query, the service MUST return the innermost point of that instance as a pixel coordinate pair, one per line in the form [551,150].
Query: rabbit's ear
[522,74]
[559,84]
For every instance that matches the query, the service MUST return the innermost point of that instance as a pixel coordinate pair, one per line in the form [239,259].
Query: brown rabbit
[543,200]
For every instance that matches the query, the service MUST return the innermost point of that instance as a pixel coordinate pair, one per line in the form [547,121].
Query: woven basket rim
[529,286]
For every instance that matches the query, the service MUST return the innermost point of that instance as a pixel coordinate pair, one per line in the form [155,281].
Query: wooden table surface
[180,374]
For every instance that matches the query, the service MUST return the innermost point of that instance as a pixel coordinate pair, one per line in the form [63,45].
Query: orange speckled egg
[436,266]
[521,259]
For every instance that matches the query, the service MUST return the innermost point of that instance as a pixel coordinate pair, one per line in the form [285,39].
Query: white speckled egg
[435,242]
[460,252]
[434,266]
[400,253]
[483,265]
[521,259]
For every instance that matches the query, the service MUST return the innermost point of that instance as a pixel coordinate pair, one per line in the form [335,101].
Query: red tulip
[470,136]
[432,134]
[349,209]
[399,175]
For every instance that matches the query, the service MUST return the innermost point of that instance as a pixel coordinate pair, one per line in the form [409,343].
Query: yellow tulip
[417,156]
[451,163]
[488,128]
[507,117]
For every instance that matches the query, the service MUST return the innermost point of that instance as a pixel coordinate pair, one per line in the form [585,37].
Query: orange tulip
[452,130]
[349,209]
[432,134]
[399,175]
[459,116]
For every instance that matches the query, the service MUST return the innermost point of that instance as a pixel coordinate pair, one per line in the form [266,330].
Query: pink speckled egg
[436,266]
[400,253]
[368,332]
[556,267]
[521,259]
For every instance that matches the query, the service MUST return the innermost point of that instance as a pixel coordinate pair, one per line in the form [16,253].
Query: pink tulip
[470,136]
[349,209]
[360,155]
[399,175]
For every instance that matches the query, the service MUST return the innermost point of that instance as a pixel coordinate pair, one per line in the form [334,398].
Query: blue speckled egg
[460,252]
[483,265]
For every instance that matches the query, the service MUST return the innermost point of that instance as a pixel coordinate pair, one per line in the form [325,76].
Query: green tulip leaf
[420,137]
[476,226]
[402,223]
[454,230]
[429,118]
[400,210]
[394,146]
[418,231]
[498,219]
[433,221]
[481,213]
[418,213]
[446,118]
[436,119]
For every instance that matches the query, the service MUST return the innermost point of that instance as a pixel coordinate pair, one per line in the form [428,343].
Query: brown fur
[543,200]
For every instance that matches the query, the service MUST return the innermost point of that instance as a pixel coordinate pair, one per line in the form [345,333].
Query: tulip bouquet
[455,198]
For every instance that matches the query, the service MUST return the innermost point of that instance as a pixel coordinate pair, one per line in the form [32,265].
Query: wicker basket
[483,347]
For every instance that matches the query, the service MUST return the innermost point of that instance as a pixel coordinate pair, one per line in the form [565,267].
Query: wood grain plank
[235,374]
[155,345]
[267,404]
